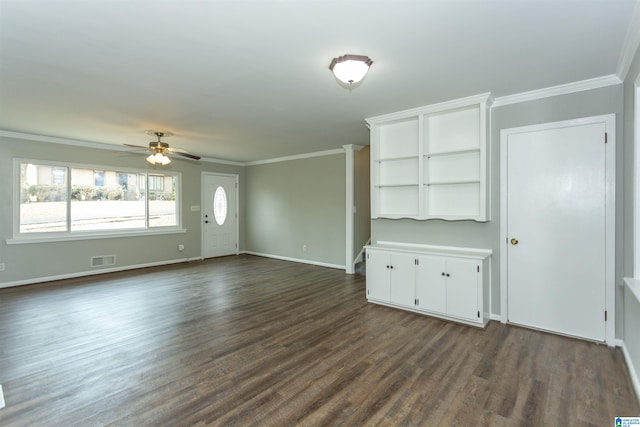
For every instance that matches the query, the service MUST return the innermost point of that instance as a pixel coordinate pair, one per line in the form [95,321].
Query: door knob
[514,241]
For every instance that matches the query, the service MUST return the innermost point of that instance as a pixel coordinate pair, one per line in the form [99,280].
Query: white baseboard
[496,317]
[94,272]
[302,261]
[632,371]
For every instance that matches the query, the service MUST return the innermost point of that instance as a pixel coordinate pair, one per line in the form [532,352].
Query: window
[68,199]
[220,205]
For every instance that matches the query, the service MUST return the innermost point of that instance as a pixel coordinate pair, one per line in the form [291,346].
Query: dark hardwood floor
[254,341]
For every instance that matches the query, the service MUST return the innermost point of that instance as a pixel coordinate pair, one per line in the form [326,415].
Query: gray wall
[487,235]
[40,261]
[295,203]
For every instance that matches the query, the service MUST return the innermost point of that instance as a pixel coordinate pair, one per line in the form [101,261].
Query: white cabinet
[431,162]
[445,282]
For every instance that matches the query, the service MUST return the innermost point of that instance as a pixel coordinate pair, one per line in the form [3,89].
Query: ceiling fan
[160,150]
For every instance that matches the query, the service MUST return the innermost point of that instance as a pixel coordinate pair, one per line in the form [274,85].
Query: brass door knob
[514,241]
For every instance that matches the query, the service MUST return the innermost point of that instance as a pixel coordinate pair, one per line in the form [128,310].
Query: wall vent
[103,260]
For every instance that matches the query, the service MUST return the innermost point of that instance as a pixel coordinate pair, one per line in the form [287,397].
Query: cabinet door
[378,276]
[462,288]
[403,268]
[431,290]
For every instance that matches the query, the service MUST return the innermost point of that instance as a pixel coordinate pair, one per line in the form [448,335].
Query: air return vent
[103,260]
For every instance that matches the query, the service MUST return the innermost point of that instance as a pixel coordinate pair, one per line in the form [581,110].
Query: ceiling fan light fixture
[350,69]
[158,158]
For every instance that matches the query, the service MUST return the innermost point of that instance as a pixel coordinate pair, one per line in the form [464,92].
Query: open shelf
[431,162]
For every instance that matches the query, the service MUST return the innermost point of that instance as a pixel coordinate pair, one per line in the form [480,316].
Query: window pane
[116,204]
[162,201]
[220,205]
[43,198]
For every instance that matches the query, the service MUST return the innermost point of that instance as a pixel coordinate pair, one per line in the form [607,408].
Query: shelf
[451,182]
[452,153]
[393,159]
[415,184]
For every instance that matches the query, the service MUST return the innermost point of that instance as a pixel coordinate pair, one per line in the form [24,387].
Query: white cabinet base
[446,282]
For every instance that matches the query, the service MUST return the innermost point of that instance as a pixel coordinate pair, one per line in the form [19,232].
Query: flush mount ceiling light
[350,69]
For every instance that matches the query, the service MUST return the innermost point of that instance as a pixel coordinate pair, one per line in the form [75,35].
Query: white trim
[631,43]
[360,257]
[92,236]
[296,157]
[564,89]
[633,375]
[610,165]
[222,162]
[298,260]
[98,145]
[202,199]
[65,141]
[636,182]
[95,272]
[433,108]
[349,204]
[2,403]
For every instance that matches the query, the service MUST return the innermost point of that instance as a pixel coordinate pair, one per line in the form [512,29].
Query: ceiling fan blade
[136,146]
[191,156]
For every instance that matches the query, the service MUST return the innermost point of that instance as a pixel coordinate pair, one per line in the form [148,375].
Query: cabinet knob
[443,273]
[514,241]
[448,275]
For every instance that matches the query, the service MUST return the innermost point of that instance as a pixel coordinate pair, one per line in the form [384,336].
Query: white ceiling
[249,80]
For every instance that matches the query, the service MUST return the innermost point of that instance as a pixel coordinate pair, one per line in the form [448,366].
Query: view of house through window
[69,199]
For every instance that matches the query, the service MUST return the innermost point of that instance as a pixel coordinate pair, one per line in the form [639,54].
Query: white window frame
[19,238]
[636,193]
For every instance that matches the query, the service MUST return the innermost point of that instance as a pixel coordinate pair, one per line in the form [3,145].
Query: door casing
[609,121]
[202,203]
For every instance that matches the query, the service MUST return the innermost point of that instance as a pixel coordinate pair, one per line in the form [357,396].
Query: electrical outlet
[2,266]
[181,247]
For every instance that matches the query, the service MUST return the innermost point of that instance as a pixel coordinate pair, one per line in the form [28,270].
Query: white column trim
[350,205]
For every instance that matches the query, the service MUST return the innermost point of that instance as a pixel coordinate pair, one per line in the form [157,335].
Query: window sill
[92,236]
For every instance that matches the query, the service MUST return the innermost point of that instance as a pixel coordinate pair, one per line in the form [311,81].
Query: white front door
[219,215]
[556,229]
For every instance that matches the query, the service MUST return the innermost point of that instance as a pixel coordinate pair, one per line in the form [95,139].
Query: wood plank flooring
[244,341]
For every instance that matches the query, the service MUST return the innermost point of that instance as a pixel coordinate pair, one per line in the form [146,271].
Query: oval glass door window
[220,205]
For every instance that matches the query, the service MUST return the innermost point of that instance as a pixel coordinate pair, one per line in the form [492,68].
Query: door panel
[219,216]
[403,279]
[378,276]
[462,288]
[556,229]
[431,284]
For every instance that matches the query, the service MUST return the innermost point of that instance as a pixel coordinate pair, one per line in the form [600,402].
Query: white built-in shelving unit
[431,162]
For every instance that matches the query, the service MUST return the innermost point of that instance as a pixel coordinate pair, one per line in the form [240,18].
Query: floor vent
[1,398]
[103,260]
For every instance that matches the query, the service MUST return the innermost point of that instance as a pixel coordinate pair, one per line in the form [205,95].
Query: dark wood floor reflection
[253,341]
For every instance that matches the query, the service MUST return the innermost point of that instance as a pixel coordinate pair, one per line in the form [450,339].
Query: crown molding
[296,157]
[579,86]
[631,43]
[57,140]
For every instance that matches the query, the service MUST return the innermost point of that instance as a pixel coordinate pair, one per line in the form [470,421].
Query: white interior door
[556,229]
[219,215]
